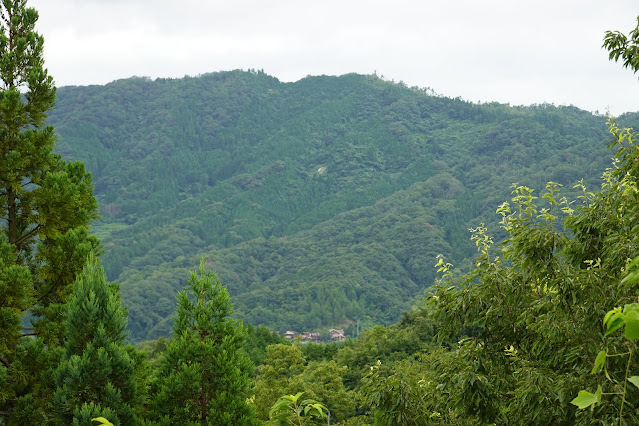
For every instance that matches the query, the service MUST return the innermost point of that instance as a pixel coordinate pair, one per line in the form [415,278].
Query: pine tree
[205,377]
[97,375]
[46,206]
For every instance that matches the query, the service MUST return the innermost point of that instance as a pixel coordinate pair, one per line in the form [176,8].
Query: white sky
[510,51]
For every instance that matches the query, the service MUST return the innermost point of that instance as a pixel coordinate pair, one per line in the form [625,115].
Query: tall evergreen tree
[206,375]
[46,206]
[97,375]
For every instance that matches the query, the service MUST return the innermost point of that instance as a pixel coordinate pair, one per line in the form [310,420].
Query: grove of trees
[46,206]
[510,339]
[317,202]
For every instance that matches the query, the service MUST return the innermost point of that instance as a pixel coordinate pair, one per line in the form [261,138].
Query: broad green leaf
[281,405]
[633,275]
[632,329]
[632,314]
[584,399]
[615,323]
[610,314]
[102,420]
[309,402]
[631,307]
[320,408]
[600,361]
[292,398]
[631,278]
[634,263]
[631,319]
[634,380]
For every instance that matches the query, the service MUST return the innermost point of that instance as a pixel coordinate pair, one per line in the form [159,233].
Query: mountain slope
[318,202]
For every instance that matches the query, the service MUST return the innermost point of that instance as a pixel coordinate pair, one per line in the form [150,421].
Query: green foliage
[614,320]
[289,409]
[46,205]
[257,339]
[390,345]
[97,376]
[321,351]
[286,371]
[204,377]
[319,202]
[279,375]
[524,320]
[102,421]
[408,395]
[322,202]
[624,47]
[154,350]
[85,415]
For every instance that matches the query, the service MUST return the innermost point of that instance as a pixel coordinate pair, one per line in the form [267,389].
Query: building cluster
[335,335]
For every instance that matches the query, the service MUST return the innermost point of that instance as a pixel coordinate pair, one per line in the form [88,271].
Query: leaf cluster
[525,319]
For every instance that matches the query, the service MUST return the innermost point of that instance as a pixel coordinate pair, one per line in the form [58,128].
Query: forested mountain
[319,202]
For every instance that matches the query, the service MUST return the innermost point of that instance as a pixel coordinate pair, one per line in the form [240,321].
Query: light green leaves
[633,272]
[102,421]
[623,47]
[288,408]
[613,321]
[632,323]
[285,403]
[600,362]
[617,318]
[443,267]
[319,409]
[585,399]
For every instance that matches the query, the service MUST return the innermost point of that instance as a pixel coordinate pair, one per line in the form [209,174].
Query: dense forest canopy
[319,202]
[340,195]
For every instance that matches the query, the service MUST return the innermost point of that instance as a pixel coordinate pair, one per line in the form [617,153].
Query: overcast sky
[517,52]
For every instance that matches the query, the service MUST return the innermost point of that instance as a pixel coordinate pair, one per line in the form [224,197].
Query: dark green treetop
[46,206]
[205,377]
[97,375]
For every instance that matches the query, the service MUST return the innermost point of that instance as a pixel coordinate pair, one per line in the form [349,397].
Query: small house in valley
[290,335]
[336,334]
[311,337]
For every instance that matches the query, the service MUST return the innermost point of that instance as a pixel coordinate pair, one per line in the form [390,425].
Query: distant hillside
[318,202]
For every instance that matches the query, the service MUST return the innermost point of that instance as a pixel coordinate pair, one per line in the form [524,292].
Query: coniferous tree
[46,206]
[97,375]
[205,377]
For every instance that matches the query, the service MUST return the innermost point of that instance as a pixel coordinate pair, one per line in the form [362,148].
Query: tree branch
[53,286]
[27,235]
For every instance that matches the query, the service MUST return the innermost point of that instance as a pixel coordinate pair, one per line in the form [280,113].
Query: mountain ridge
[316,201]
